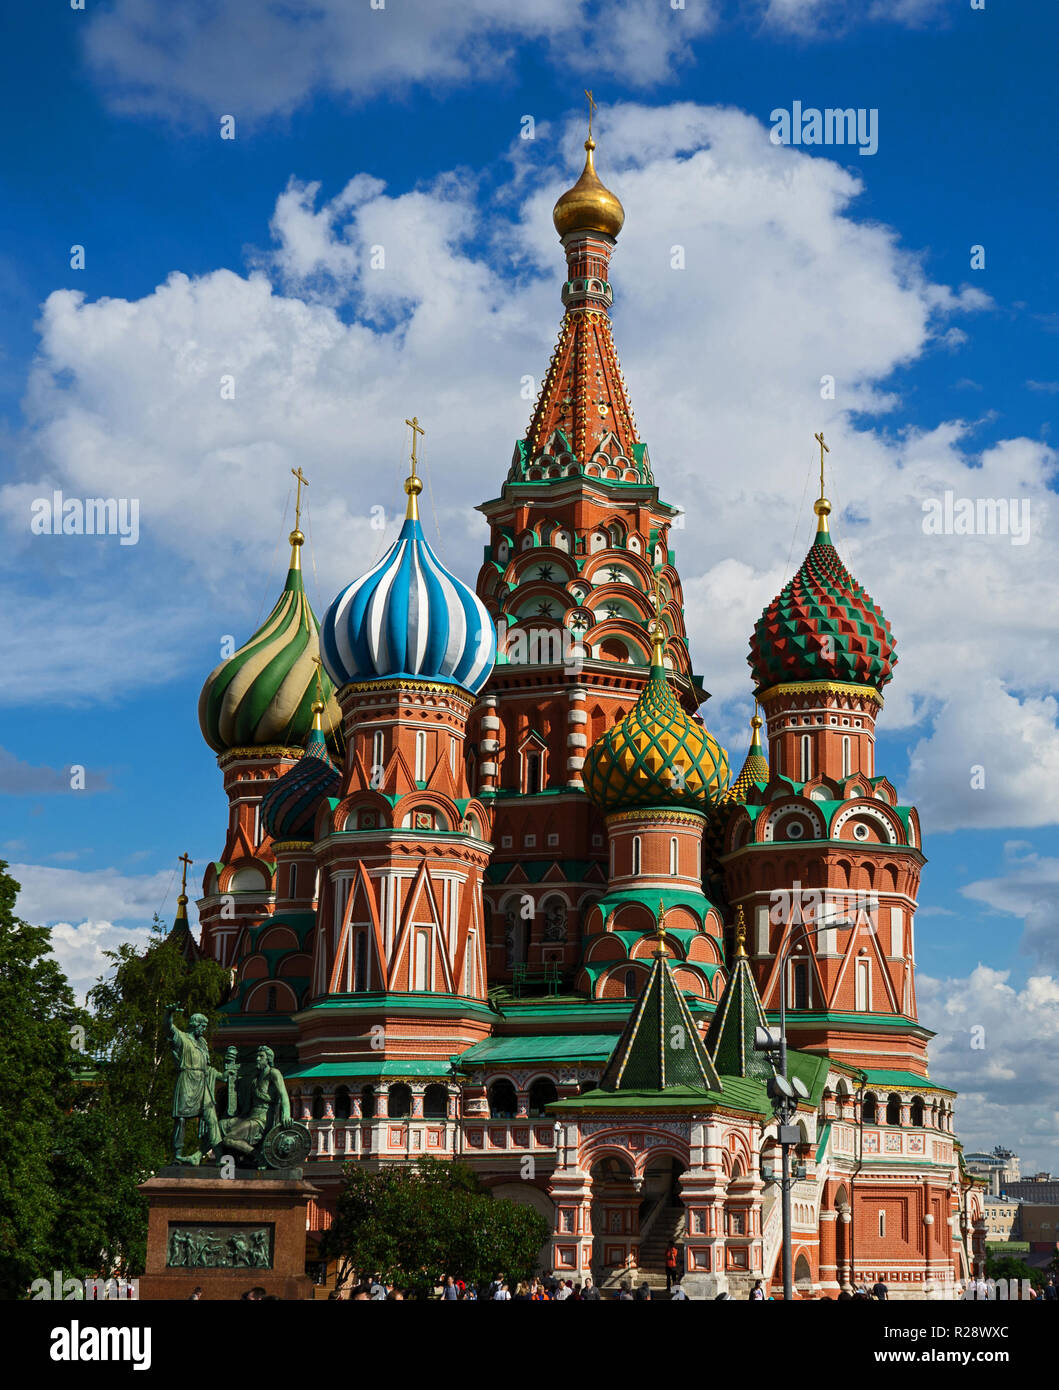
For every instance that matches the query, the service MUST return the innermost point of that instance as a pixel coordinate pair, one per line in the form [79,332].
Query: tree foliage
[38,1063]
[416,1225]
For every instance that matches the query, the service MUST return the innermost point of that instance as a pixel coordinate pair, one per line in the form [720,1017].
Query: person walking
[502,1295]
[590,1294]
[880,1290]
[672,1261]
[625,1293]
[757,1293]
[450,1293]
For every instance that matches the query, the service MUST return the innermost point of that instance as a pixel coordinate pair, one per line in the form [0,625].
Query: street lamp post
[785,1093]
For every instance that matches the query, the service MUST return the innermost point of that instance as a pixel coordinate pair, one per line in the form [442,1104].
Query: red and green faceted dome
[823,627]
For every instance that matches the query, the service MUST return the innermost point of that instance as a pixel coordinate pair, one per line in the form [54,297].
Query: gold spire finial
[413,485]
[182,901]
[821,506]
[658,636]
[755,723]
[591,112]
[661,930]
[740,931]
[318,705]
[296,538]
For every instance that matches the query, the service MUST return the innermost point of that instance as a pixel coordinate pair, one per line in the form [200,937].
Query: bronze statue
[257,1127]
[196,1079]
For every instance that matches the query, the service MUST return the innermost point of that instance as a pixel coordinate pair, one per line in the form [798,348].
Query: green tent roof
[660,1045]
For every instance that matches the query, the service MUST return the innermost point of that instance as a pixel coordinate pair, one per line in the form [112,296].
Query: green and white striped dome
[264,692]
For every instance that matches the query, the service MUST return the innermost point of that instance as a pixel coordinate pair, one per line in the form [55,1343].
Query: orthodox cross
[591,109]
[416,428]
[740,931]
[187,863]
[319,678]
[823,450]
[303,481]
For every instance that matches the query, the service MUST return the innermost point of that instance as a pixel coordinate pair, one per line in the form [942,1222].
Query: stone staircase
[665,1225]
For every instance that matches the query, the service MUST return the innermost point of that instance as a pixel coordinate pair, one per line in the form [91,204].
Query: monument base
[226,1235]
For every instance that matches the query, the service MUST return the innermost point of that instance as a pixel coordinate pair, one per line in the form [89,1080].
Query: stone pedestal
[226,1235]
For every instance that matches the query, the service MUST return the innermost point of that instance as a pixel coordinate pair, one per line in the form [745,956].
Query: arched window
[421,755]
[503,1100]
[452,755]
[917,1111]
[367,1101]
[542,1093]
[318,1103]
[534,773]
[630,984]
[342,1103]
[807,757]
[399,1101]
[862,986]
[674,856]
[292,882]
[893,1109]
[378,752]
[847,762]
[435,1102]
[869,1109]
[637,846]
[882,1225]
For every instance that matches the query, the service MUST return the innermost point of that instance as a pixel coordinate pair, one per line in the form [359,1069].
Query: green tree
[415,1225]
[1010,1267]
[119,1131]
[38,1062]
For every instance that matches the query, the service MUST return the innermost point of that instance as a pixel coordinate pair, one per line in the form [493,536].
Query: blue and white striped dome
[409,617]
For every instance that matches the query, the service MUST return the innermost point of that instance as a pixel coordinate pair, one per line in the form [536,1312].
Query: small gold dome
[588,206]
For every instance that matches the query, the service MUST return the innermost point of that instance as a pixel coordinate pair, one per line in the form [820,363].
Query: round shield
[286,1145]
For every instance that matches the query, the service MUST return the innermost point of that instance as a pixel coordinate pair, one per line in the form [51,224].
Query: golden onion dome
[588,206]
[657,755]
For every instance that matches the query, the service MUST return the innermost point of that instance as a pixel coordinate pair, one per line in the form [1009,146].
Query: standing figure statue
[193,1097]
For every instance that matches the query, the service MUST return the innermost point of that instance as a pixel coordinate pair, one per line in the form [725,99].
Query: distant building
[1043,1192]
[1000,1168]
[1039,1225]
[1002,1219]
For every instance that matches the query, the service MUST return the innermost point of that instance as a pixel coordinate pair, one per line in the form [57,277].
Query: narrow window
[882,1225]
[292,882]
[800,991]
[421,756]
[452,755]
[468,967]
[378,753]
[807,758]
[897,931]
[674,857]
[533,773]
[862,1002]
[636,844]
[420,981]
[846,757]
[360,962]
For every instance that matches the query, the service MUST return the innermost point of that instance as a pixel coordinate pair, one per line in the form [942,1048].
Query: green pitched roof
[730,1038]
[548,1047]
[660,1047]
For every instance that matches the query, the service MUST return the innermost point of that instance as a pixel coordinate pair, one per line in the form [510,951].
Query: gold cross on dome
[823,450]
[318,663]
[416,428]
[303,481]
[591,109]
[187,863]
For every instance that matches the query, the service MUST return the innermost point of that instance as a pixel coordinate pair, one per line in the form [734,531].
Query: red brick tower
[399,965]
[255,712]
[574,538]
[823,842]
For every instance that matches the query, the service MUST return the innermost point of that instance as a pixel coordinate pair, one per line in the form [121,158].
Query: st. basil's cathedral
[496,894]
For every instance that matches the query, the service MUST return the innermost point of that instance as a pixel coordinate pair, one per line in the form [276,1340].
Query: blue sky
[799,263]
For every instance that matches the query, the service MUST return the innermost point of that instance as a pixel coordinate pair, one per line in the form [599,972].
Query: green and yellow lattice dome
[657,755]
